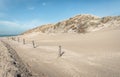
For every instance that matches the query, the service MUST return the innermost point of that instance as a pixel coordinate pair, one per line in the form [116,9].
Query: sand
[94,54]
[10,63]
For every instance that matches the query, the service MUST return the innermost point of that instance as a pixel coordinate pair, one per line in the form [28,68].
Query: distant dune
[79,24]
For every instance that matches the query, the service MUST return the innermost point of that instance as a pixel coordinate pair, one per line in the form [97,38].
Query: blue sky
[16,16]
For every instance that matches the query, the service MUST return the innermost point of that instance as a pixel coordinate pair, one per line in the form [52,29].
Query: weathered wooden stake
[59,54]
[14,39]
[18,39]
[33,42]
[23,41]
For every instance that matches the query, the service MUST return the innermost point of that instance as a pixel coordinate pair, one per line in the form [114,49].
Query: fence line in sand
[24,41]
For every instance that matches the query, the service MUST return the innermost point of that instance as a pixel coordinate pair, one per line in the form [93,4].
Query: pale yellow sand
[95,54]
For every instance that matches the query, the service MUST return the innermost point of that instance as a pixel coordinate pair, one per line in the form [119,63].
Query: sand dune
[93,54]
[84,23]
[90,47]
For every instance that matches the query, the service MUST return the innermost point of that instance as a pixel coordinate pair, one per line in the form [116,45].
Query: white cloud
[27,24]
[10,27]
[31,24]
[9,23]
[19,27]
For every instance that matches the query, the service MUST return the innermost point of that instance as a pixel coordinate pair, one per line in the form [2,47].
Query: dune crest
[79,24]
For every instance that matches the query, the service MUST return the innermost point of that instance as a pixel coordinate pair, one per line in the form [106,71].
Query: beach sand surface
[94,54]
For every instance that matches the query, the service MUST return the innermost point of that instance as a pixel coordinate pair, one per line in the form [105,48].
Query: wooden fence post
[33,42]
[60,51]
[14,39]
[23,41]
[59,54]
[18,39]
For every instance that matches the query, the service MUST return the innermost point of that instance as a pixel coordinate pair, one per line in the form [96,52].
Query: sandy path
[89,55]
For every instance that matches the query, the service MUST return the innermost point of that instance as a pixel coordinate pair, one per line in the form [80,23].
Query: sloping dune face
[79,24]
